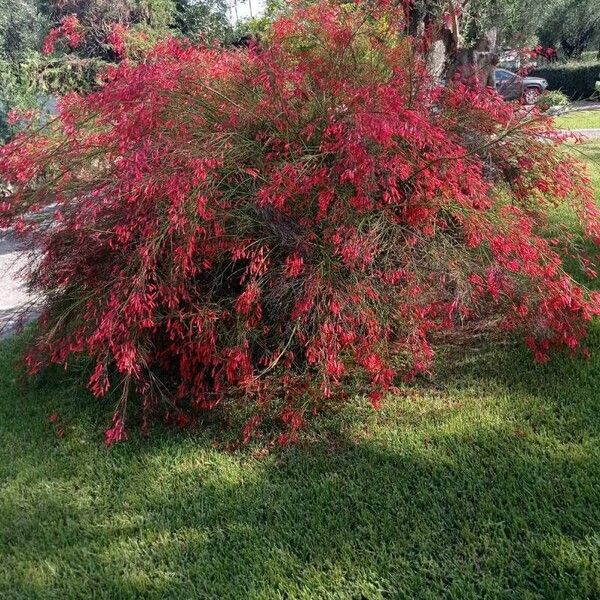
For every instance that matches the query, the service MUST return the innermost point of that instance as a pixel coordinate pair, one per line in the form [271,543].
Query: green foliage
[551,99]
[516,20]
[205,20]
[574,79]
[27,78]
[572,24]
[22,28]
[15,90]
[156,14]
[589,56]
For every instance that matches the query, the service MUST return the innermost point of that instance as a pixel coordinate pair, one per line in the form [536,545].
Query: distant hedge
[575,80]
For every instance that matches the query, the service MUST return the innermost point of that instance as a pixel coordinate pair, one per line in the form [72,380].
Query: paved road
[13,296]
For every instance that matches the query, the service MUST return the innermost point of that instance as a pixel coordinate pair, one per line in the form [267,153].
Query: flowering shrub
[253,229]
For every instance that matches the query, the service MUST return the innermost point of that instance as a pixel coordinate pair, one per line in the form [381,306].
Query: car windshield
[502,75]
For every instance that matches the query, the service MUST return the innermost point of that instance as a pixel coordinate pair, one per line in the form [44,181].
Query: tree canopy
[574,25]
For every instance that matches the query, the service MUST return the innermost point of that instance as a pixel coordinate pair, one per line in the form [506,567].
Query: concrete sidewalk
[583,105]
[14,298]
[591,134]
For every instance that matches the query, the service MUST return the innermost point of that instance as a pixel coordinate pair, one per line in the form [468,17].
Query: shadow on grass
[367,523]
[484,484]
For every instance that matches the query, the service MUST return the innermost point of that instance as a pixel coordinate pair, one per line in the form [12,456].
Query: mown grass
[590,153]
[483,483]
[585,119]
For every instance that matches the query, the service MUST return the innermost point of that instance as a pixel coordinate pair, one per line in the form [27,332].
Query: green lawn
[591,153]
[484,483]
[586,119]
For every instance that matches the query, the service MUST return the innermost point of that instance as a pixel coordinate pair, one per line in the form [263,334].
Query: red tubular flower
[294,265]
[116,433]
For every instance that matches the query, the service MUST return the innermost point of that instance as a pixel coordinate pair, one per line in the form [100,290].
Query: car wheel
[531,95]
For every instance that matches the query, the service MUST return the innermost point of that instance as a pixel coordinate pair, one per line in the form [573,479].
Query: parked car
[514,87]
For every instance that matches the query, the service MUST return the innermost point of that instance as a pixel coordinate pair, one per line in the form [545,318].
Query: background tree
[207,19]
[442,24]
[572,24]
[516,20]
[22,29]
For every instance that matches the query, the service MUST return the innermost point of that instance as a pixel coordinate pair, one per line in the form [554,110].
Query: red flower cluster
[69,29]
[116,39]
[541,52]
[252,229]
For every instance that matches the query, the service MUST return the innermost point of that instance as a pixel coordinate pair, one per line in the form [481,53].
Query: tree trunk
[480,61]
[447,54]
